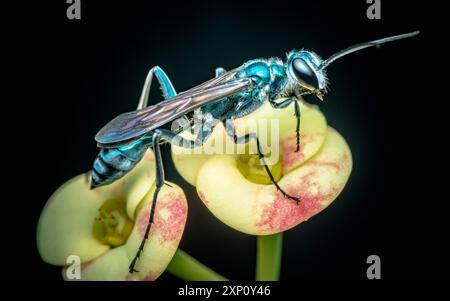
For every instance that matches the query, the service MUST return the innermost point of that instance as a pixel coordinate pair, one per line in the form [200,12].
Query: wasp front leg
[231,131]
[284,104]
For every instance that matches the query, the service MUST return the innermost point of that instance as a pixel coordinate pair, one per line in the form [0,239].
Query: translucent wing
[226,77]
[131,125]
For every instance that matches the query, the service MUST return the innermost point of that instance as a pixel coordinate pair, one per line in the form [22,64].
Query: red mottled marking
[151,276]
[86,264]
[202,197]
[338,165]
[169,229]
[290,157]
[284,213]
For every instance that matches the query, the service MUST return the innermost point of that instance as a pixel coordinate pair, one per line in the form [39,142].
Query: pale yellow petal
[165,235]
[65,224]
[259,209]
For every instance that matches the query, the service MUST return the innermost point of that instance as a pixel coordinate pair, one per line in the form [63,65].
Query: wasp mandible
[230,95]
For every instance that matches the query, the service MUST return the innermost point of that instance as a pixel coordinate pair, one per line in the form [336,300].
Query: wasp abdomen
[113,163]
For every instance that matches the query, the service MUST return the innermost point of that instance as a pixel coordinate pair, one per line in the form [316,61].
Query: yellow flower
[236,188]
[105,226]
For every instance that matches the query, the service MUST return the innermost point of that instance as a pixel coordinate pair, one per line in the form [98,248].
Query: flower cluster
[105,226]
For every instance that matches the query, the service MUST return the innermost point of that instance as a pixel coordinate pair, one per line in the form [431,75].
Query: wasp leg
[231,131]
[284,104]
[166,86]
[159,183]
[220,71]
[180,141]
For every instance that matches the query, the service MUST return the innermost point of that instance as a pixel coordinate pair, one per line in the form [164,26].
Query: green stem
[188,268]
[268,257]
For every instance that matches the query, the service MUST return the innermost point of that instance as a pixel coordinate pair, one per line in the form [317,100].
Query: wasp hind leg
[159,183]
[177,140]
[167,88]
[165,84]
[231,131]
[284,104]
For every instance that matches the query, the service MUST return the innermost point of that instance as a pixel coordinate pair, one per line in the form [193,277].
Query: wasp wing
[226,77]
[132,125]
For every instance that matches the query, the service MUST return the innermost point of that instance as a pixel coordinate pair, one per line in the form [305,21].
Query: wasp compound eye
[305,74]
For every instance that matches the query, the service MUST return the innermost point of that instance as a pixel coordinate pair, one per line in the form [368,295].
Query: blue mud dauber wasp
[233,94]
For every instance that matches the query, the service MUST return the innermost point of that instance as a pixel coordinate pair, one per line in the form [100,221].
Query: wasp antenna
[360,46]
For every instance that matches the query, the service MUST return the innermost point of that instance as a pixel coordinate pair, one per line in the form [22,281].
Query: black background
[85,72]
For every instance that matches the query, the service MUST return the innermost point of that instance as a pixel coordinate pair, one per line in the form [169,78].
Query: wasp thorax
[112,226]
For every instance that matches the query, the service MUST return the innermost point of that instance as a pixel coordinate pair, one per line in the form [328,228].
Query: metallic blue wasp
[229,95]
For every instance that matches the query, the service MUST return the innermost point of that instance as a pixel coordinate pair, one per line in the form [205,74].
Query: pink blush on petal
[290,157]
[338,165]
[284,213]
[202,197]
[151,276]
[170,228]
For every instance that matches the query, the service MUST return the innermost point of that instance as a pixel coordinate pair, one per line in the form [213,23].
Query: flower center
[252,169]
[112,226]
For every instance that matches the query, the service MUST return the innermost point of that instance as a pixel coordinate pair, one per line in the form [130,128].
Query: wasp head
[305,72]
